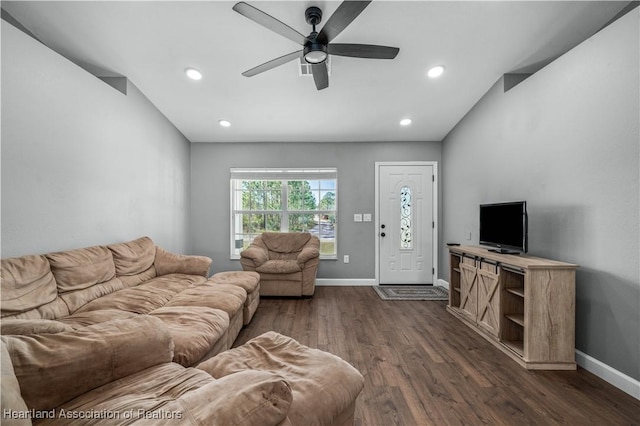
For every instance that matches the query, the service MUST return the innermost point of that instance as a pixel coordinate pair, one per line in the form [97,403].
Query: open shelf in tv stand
[523,305]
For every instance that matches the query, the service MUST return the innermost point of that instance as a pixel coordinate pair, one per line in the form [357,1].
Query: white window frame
[283,174]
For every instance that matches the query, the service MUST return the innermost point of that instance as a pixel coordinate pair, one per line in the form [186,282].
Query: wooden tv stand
[524,305]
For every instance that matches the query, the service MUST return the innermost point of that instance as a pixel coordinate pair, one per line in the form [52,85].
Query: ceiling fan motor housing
[313,16]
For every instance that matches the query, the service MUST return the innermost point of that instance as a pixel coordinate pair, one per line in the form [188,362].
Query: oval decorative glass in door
[406,212]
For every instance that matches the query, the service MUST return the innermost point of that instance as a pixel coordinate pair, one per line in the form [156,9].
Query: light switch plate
[357,217]
[366,217]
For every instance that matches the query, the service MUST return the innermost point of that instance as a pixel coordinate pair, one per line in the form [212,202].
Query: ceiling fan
[316,46]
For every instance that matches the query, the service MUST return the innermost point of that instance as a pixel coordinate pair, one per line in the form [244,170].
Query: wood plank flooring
[424,367]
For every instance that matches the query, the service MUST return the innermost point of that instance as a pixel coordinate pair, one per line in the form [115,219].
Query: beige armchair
[286,261]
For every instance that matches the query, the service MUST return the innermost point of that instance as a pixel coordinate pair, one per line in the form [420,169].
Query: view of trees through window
[286,206]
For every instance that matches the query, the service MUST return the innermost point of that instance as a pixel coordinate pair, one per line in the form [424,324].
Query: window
[284,200]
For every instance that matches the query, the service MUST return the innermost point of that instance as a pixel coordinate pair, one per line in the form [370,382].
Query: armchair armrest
[255,254]
[307,254]
[170,263]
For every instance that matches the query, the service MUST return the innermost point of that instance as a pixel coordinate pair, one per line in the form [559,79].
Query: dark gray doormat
[411,292]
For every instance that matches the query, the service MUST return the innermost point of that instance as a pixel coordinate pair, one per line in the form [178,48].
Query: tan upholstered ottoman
[248,280]
[325,387]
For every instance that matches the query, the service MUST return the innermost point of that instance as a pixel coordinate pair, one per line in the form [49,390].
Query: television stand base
[504,251]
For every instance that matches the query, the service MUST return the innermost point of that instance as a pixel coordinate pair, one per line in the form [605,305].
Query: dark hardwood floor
[424,367]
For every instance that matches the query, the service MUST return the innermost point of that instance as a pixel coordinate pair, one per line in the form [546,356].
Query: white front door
[406,223]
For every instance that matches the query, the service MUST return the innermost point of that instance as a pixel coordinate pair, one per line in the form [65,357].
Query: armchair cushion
[279,267]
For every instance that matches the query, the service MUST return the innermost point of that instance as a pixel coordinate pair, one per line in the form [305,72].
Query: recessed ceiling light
[405,121]
[436,71]
[193,73]
[224,123]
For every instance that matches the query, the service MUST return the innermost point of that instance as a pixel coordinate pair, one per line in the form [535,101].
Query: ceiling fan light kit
[316,47]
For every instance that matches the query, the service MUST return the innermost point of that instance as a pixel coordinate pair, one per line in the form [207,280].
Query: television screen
[504,226]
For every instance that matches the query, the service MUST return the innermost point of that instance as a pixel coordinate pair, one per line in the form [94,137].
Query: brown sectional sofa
[76,288]
[110,335]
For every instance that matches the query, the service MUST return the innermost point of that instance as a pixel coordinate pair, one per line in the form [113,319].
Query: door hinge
[433,178]
[433,271]
[433,225]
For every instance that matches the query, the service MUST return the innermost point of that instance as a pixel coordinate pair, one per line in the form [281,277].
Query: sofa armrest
[254,254]
[307,254]
[54,368]
[245,398]
[170,263]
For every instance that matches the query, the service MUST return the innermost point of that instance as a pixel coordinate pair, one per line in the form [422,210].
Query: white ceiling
[152,42]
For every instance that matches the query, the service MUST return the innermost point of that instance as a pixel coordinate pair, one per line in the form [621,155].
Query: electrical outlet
[346,258]
[469,235]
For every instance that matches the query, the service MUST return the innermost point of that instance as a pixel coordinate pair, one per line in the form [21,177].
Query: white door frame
[433,164]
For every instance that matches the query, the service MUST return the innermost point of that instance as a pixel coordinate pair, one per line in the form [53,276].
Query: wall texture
[83,164]
[210,216]
[567,141]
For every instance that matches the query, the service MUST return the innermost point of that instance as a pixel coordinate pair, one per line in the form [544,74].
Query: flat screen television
[504,226]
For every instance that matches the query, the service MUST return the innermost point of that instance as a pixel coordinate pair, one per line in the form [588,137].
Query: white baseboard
[345,282]
[608,374]
[442,283]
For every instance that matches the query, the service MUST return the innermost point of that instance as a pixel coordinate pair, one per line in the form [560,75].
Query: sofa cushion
[248,280]
[133,257]
[10,398]
[27,283]
[194,329]
[279,267]
[81,268]
[84,319]
[53,368]
[226,297]
[144,298]
[323,384]
[32,326]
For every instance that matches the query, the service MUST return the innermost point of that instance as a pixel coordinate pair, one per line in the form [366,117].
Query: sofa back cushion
[81,268]
[55,368]
[83,275]
[29,289]
[134,260]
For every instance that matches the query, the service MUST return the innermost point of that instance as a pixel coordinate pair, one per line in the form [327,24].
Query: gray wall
[567,141]
[83,164]
[210,217]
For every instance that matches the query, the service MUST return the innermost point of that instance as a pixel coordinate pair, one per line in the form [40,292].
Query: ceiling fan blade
[320,75]
[370,51]
[272,64]
[341,18]
[269,22]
